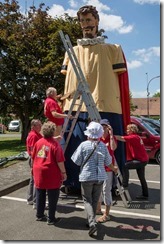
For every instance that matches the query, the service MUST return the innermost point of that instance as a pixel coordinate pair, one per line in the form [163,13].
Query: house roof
[143,104]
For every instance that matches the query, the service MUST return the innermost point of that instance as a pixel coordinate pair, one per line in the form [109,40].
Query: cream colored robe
[101,64]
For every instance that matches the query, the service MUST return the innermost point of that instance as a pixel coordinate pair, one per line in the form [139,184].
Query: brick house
[141,105]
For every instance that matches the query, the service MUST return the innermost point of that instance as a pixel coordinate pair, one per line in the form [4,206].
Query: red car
[150,137]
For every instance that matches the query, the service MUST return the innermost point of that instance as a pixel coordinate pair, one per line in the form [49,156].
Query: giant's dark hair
[88,9]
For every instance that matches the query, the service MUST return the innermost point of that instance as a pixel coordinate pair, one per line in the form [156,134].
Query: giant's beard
[88,34]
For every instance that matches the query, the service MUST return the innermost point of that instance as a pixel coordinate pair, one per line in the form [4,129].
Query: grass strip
[11,147]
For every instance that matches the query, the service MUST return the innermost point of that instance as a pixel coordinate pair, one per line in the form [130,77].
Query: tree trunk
[25,128]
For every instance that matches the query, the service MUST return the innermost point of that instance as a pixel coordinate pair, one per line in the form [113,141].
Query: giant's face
[89,25]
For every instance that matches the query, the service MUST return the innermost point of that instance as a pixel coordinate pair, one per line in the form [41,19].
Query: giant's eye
[87,20]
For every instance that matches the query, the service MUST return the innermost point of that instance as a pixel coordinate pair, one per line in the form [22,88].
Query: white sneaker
[34,205]
[29,202]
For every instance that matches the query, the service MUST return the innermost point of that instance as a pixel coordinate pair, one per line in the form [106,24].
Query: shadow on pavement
[71,208]
[154,194]
[127,229]
[138,230]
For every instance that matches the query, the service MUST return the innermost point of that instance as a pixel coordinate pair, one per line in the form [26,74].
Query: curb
[14,187]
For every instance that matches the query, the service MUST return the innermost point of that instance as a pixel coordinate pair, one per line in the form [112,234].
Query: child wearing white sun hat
[94,130]
[92,155]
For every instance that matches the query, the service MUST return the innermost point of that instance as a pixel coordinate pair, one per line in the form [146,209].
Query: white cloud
[73,4]
[56,10]
[99,6]
[147,1]
[71,12]
[145,55]
[114,23]
[134,64]
[158,90]
[139,94]
[155,51]
[108,22]
[143,94]
[125,29]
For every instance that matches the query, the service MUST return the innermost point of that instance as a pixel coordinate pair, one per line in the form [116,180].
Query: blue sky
[134,24]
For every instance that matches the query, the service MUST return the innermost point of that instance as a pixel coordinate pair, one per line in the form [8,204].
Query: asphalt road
[139,222]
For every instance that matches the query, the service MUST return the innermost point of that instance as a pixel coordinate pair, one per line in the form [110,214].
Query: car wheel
[157,157]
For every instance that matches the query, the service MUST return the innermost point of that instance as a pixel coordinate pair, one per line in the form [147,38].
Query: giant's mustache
[88,27]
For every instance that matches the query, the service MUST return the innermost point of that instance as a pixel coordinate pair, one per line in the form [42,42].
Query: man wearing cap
[104,68]
[91,155]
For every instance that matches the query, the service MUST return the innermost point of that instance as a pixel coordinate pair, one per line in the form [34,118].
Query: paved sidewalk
[139,222]
[14,177]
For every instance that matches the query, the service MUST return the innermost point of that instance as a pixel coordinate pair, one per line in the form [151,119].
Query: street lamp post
[148,93]
[147,80]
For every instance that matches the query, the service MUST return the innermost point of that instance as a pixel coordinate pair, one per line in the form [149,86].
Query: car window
[157,122]
[15,123]
[150,128]
[151,124]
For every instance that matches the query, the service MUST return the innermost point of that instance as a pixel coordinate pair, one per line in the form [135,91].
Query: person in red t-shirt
[106,196]
[48,171]
[33,136]
[136,158]
[53,111]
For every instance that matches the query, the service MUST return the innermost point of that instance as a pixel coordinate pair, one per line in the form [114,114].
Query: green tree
[31,55]
[157,94]
[132,107]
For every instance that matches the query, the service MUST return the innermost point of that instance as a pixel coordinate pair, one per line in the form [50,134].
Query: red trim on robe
[125,96]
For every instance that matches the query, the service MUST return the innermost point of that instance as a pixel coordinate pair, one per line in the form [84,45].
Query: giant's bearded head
[89,20]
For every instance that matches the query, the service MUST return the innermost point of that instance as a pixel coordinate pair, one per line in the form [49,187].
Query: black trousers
[140,168]
[53,196]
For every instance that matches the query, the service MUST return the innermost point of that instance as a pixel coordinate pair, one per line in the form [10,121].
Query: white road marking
[119,212]
[82,207]
[14,199]
[152,165]
[148,181]
[135,214]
